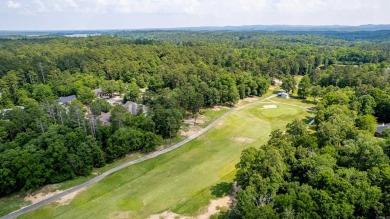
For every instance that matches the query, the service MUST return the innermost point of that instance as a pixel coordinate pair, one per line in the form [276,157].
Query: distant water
[83,35]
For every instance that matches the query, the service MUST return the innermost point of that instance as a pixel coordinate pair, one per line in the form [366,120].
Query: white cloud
[145,6]
[13,5]
[171,13]
[65,5]
[307,6]
[297,6]
[199,7]
[40,6]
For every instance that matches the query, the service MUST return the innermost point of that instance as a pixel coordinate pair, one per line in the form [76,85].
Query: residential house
[135,108]
[104,118]
[380,128]
[67,99]
[98,92]
[284,95]
[3,111]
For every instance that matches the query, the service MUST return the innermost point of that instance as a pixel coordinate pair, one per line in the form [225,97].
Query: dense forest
[338,171]
[176,73]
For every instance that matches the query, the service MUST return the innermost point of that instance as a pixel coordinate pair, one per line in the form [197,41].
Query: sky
[139,14]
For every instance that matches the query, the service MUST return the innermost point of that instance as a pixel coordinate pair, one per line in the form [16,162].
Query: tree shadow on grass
[222,189]
[304,100]
[309,101]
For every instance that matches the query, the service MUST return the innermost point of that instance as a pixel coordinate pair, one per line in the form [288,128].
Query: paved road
[146,157]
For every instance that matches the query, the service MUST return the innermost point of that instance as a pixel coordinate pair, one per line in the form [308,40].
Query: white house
[283,95]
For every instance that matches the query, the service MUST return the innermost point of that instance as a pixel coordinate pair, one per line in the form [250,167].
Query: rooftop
[380,128]
[98,91]
[67,99]
[105,118]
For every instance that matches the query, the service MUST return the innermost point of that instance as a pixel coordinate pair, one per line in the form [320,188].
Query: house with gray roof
[67,99]
[104,118]
[98,92]
[135,108]
[380,128]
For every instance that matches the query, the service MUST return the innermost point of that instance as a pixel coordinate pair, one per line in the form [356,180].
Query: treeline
[48,68]
[44,144]
[364,86]
[339,171]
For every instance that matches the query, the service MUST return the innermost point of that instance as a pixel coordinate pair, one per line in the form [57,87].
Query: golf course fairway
[184,180]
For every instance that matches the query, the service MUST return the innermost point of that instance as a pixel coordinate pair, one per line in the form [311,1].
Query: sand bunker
[270,106]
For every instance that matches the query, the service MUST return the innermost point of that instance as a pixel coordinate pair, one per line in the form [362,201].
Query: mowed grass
[11,203]
[182,181]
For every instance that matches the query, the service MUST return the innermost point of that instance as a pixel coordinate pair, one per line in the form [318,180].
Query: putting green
[182,181]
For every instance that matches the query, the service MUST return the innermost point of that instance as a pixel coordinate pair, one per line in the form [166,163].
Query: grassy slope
[182,181]
[11,203]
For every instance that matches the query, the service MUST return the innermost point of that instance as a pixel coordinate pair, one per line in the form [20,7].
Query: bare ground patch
[190,132]
[199,120]
[168,215]
[192,126]
[243,139]
[43,193]
[246,100]
[49,191]
[120,215]
[68,198]
[220,125]
[213,208]
[218,108]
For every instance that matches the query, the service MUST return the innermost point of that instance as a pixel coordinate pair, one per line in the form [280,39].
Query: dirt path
[146,157]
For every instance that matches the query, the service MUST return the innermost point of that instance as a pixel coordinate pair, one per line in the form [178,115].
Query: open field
[182,181]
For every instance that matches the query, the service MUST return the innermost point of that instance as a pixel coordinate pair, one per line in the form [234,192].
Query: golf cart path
[115,169]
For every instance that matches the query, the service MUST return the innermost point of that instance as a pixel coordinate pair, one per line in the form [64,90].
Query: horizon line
[193,27]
